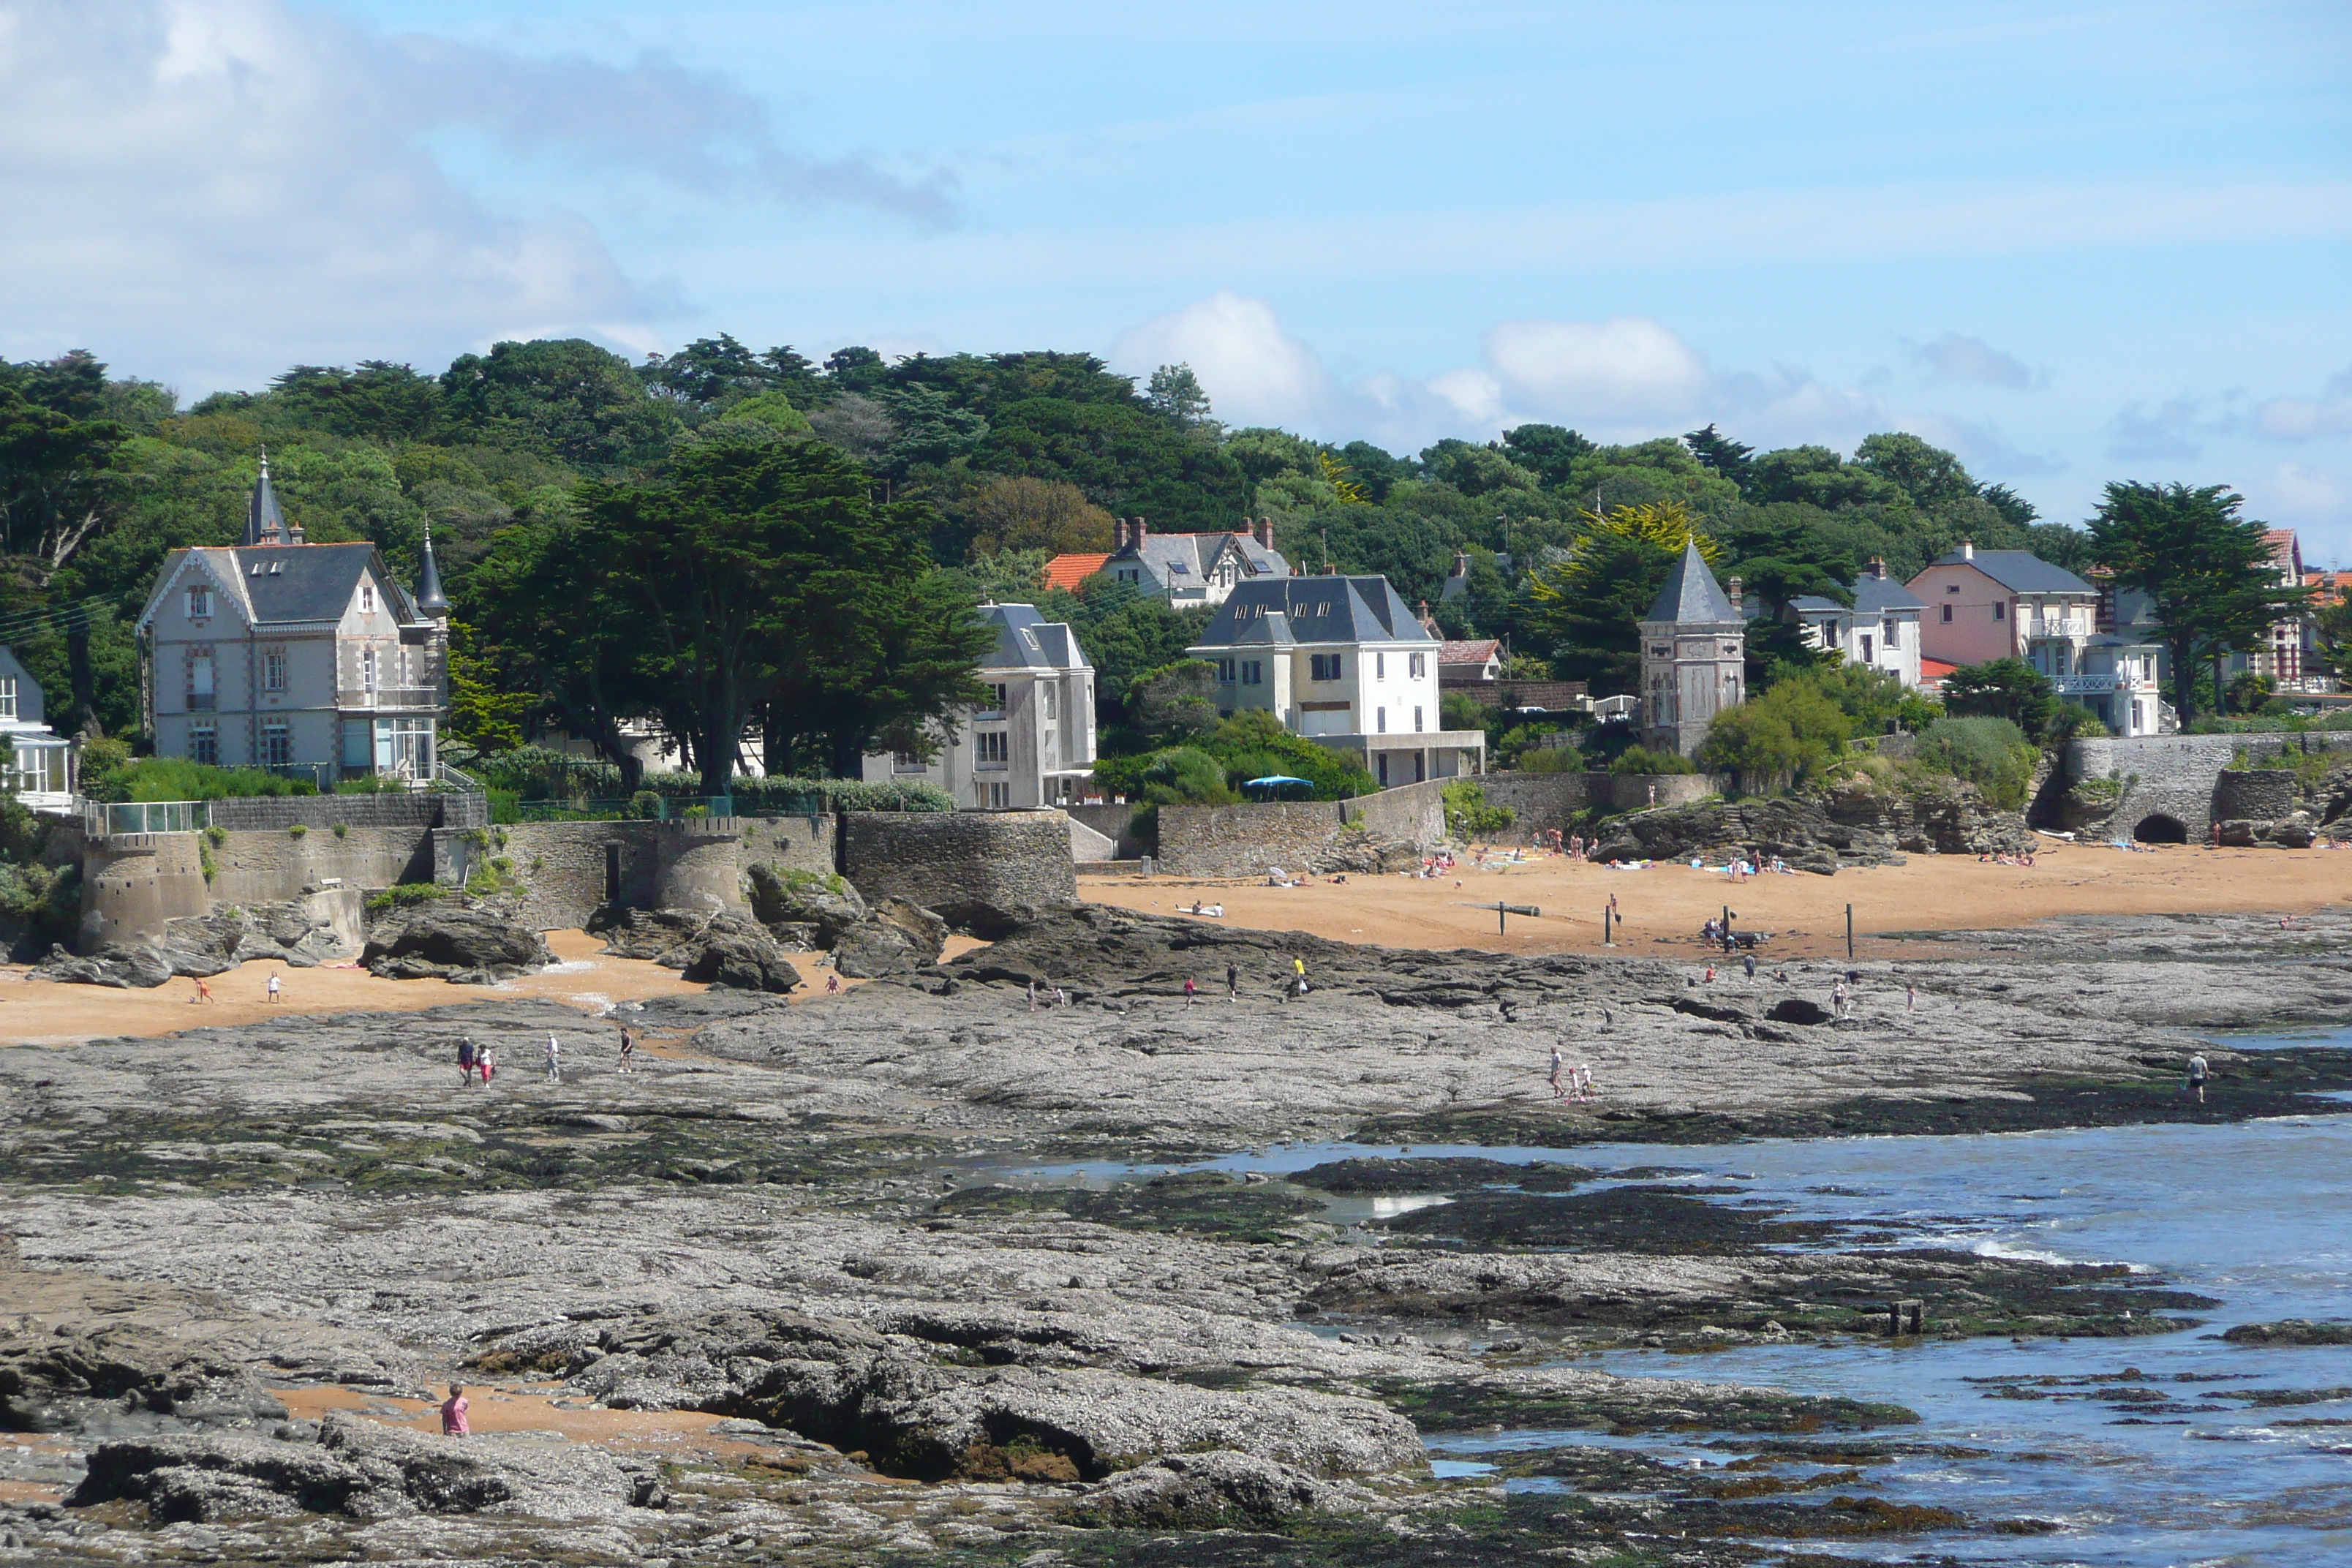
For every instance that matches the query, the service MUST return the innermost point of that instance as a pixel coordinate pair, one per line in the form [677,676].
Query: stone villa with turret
[299,657]
[1693,648]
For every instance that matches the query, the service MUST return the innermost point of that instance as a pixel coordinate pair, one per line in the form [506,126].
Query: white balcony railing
[389,696]
[2071,627]
[2084,685]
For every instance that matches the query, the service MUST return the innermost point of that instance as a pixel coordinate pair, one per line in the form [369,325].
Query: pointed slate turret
[1693,648]
[429,597]
[265,520]
[1692,595]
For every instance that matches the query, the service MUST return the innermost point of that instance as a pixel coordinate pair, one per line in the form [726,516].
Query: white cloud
[225,186]
[2167,435]
[1954,357]
[1253,372]
[1627,368]
[2301,495]
[2307,418]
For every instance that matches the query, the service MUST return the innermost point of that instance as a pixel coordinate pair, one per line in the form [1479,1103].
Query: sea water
[2256,1213]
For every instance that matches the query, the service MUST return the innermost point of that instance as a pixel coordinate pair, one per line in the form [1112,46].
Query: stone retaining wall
[2173,779]
[970,865]
[2257,794]
[1245,840]
[268,865]
[1116,823]
[568,870]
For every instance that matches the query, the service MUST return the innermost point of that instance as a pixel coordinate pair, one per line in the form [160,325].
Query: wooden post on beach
[1606,940]
[1849,930]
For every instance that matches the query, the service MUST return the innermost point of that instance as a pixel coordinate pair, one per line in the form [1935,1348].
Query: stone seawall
[1248,840]
[2164,786]
[973,866]
[568,870]
[271,864]
[1116,823]
[1550,802]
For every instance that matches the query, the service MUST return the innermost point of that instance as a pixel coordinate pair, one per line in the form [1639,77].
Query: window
[1225,671]
[1324,665]
[1948,615]
[1891,632]
[1415,665]
[277,747]
[367,597]
[994,749]
[8,697]
[1661,650]
[204,745]
[906,763]
[1253,672]
[991,797]
[1000,697]
[1379,667]
[273,670]
[200,602]
[1416,720]
[200,677]
[367,669]
[1999,610]
[1866,655]
[1381,718]
[1951,587]
[1048,692]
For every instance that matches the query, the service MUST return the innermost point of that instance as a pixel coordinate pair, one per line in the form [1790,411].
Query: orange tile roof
[1933,670]
[1069,571]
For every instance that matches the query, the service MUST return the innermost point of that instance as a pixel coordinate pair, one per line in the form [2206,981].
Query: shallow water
[2257,1213]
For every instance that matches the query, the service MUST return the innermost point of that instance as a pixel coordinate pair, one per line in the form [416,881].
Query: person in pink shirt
[453,1414]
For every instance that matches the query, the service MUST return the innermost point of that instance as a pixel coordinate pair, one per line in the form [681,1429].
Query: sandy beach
[1664,906]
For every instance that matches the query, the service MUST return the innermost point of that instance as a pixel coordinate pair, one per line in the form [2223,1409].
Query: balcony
[2083,685]
[388,696]
[2068,629]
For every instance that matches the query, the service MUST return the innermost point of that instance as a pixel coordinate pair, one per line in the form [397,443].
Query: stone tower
[1692,642]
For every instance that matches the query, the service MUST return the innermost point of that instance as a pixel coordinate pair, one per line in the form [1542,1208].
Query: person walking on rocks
[628,1049]
[1557,1091]
[1233,979]
[2199,1071]
[1748,961]
[1192,993]
[1033,995]
[273,990]
[1300,966]
[554,1060]
[1837,997]
[466,1061]
[1911,997]
[453,1414]
[487,1059]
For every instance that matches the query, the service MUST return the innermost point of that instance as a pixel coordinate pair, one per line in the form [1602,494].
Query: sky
[2074,242]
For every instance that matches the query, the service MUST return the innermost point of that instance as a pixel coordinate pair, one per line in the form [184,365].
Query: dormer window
[200,602]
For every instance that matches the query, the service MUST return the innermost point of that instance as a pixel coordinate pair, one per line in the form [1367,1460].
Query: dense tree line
[767,556]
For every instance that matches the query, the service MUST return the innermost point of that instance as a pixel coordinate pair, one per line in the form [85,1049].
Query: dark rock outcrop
[828,905]
[205,945]
[717,950]
[1857,823]
[1220,1489]
[926,931]
[874,949]
[466,946]
[2291,1331]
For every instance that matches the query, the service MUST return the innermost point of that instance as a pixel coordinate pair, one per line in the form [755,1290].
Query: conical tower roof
[429,597]
[265,520]
[1692,595]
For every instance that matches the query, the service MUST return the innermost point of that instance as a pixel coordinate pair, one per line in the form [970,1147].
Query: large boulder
[925,930]
[468,946]
[363,1470]
[1220,1489]
[873,949]
[124,965]
[206,944]
[829,904]
[717,950]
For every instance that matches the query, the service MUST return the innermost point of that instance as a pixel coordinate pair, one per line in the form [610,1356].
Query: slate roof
[1184,560]
[1327,609]
[1692,596]
[264,518]
[1873,595]
[284,585]
[2019,571]
[1027,640]
[430,599]
[1069,571]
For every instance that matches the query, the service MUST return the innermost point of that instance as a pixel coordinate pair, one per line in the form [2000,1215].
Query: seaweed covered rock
[1220,1489]
[466,946]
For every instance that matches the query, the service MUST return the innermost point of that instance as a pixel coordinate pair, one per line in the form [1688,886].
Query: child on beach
[453,1414]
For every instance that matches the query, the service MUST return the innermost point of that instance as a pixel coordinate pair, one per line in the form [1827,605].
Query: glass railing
[109,819]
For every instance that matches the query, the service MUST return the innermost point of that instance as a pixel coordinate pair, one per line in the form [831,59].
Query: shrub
[373,783]
[1551,760]
[1641,760]
[297,830]
[342,830]
[405,896]
[1186,775]
[40,906]
[1467,811]
[1789,734]
[1991,753]
[177,778]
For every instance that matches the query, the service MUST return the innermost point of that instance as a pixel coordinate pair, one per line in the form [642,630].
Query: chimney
[1737,607]
[294,533]
[1462,563]
[1428,622]
[1118,534]
[1330,569]
[1878,567]
[1967,549]
[1262,531]
[1141,533]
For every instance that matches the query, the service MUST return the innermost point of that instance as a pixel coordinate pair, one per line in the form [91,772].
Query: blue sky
[2076,242]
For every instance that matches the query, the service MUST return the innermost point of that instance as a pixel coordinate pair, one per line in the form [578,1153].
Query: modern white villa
[40,761]
[1344,661]
[1033,745]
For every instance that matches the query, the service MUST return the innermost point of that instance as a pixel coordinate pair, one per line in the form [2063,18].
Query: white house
[1192,568]
[290,655]
[1880,630]
[40,762]
[1342,661]
[2115,678]
[1984,604]
[1694,657]
[1034,744]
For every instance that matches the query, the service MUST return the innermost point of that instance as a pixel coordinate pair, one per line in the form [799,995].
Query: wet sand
[1664,906]
[526,1407]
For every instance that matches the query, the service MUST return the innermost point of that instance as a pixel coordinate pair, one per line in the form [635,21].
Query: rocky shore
[784,1293]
